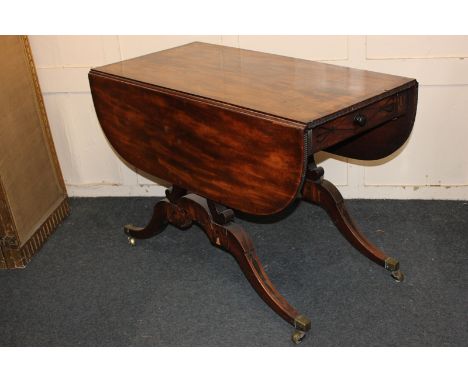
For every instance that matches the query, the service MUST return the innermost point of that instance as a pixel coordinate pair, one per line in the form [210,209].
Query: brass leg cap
[398,276]
[392,264]
[302,322]
[298,336]
[131,241]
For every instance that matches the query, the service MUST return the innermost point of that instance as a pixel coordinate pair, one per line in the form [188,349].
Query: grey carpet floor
[88,287]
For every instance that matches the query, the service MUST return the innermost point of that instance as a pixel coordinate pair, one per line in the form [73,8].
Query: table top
[290,88]
[239,127]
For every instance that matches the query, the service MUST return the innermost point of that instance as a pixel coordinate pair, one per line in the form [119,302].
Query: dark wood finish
[220,214]
[290,88]
[175,192]
[384,139]
[239,129]
[225,154]
[33,199]
[359,121]
[194,118]
[229,236]
[323,193]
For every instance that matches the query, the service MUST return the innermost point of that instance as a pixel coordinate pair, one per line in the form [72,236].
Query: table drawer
[358,121]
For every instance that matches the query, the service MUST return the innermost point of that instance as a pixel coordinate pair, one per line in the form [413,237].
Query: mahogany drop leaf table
[237,130]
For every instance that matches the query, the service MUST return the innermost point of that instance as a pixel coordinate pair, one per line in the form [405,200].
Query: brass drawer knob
[360,120]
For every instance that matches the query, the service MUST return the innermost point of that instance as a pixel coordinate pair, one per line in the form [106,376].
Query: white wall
[433,164]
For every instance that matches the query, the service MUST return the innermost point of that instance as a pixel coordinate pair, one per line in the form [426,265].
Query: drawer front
[358,121]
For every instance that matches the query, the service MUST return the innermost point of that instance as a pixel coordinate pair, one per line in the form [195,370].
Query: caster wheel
[398,276]
[131,241]
[298,336]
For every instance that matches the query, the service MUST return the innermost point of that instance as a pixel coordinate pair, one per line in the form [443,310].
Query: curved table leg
[156,225]
[229,236]
[323,193]
[158,221]
[235,240]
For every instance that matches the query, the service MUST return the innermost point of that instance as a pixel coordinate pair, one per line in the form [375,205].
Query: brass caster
[298,336]
[398,276]
[131,241]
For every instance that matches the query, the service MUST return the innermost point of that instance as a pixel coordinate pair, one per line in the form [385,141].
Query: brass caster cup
[298,336]
[131,241]
[398,276]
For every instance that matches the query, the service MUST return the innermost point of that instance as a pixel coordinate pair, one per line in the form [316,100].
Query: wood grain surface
[291,88]
[238,127]
[238,158]
[383,139]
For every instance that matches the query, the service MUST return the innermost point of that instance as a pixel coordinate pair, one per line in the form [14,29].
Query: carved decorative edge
[18,258]
[273,117]
[320,121]
[197,98]
[43,113]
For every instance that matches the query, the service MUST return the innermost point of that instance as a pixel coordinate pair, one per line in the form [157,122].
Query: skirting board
[364,192]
